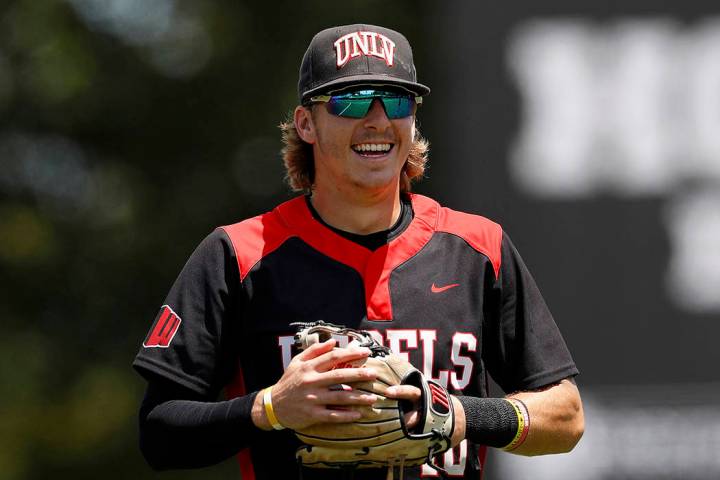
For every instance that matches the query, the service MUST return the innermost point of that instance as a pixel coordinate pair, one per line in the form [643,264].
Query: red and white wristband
[523,424]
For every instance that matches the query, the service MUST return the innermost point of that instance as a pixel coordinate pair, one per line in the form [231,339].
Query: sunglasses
[357,103]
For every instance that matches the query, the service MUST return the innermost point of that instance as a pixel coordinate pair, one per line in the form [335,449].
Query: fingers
[348,398]
[331,366]
[323,357]
[407,392]
[411,419]
[326,415]
[345,375]
[339,357]
[316,349]
[404,392]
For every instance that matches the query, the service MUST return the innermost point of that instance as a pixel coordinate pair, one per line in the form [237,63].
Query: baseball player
[443,289]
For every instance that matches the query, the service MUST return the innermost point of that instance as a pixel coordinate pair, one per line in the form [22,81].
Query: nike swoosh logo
[435,289]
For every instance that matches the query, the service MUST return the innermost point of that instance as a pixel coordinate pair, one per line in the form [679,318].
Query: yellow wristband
[267,402]
[523,418]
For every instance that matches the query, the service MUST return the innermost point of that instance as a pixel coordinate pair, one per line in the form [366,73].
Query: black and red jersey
[450,293]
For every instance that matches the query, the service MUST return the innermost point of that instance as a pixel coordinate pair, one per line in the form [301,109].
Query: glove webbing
[326,330]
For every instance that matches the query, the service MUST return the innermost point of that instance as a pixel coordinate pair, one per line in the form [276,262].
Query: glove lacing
[326,330]
[391,467]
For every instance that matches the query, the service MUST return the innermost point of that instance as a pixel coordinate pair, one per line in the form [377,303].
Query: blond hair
[300,167]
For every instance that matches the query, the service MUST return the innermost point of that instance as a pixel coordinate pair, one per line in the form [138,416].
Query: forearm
[189,433]
[485,421]
[556,419]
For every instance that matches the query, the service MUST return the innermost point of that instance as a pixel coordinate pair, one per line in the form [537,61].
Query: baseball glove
[380,438]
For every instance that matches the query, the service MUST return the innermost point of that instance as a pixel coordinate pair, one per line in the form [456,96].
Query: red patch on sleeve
[164,329]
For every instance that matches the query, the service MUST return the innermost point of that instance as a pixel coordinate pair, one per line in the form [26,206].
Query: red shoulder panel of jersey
[482,234]
[297,216]
[257,237]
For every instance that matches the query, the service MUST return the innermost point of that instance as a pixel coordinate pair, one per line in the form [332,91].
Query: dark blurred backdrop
[129,129]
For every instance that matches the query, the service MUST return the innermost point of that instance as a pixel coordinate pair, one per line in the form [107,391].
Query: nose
[376,117]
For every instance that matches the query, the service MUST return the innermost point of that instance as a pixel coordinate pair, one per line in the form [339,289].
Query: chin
[377,182]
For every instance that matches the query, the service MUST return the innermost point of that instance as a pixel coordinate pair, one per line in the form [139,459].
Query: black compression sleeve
[178,430]
[489,421]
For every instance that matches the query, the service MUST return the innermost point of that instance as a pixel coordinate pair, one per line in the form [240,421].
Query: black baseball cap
[347,55]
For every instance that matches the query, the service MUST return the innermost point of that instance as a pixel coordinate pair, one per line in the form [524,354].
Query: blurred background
[129,129]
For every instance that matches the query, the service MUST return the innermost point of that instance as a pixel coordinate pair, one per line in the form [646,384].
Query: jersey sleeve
[523,347]
[190,341]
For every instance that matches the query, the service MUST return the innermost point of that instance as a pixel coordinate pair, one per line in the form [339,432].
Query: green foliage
[128,131]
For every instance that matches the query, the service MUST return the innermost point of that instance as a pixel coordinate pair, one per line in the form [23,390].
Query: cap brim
[339,83]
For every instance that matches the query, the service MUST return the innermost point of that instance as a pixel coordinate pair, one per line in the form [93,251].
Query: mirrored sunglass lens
[398,107]
[349,107]
[356,104]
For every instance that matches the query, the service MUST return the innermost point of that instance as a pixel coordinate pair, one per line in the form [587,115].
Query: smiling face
[356,156]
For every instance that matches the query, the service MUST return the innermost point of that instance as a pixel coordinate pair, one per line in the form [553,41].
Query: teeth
[372,147]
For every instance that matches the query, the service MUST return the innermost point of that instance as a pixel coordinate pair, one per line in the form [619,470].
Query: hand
[302,397]
[407,392]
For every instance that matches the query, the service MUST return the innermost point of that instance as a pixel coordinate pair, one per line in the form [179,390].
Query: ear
[304,124]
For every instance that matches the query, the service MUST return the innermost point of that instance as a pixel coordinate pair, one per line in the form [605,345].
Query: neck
[363,215]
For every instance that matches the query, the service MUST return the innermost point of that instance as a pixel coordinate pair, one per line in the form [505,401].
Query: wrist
[270,411]
[258,415]
[459,431]
[523,427]
[489,421]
